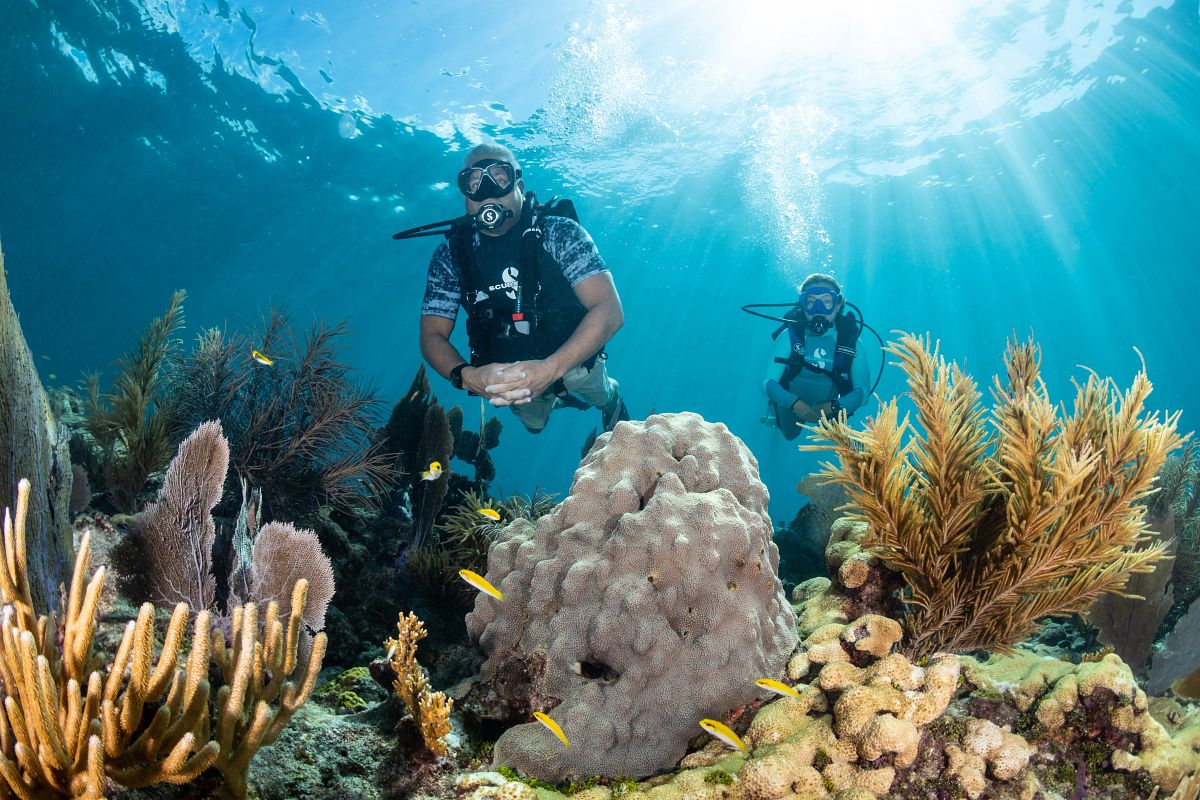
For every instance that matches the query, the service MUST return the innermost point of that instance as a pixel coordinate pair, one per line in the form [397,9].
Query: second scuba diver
[821,374]
[540,301]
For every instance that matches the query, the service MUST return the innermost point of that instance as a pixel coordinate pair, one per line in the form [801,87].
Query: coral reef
[35,449]
[430,710]
[72,722]
[987,527]
[299,429]
[131,423]
[167,554]
[645,601]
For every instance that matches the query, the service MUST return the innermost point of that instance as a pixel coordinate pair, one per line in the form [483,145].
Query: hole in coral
[597,671]
[732,586]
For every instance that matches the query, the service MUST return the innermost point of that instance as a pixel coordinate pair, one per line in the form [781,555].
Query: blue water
[968,169]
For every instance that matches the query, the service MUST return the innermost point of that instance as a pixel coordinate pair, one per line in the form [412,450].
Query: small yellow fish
[52,376]
[490,513]
[553,726]
[722,731]
[777,687]
[260,358]
[433,473]
[480,583]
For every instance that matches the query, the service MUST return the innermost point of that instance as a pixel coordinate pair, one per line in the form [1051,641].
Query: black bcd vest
[545,311]
[848,328]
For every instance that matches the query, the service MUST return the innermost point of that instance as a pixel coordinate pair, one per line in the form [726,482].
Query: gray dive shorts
[593,385]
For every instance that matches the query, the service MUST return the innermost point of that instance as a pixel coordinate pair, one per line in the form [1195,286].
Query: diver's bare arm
[435,344]
[604,318]
[443,357]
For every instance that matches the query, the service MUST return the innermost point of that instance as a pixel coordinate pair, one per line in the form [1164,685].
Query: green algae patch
[719,777]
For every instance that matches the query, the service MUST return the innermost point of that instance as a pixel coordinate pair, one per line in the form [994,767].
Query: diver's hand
[805,411]
[487,382]
[540,374]
[499,383]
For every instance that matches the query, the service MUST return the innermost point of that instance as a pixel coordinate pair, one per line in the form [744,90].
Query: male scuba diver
[821,374]
[540,302]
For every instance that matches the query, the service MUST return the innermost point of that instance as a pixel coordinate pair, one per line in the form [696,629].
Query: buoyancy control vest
[848,327]
[530,320]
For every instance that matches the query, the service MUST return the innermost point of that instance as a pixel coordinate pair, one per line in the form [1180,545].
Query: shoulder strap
[848,331]
[460,240]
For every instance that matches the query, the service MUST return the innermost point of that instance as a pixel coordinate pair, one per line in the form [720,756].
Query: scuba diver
[540,302]
[821,373]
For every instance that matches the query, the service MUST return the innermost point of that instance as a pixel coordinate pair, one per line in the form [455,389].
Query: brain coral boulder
[646,601]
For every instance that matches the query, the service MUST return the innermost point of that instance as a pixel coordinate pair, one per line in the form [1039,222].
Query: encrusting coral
[992,531]
[430,710]
[644,602]
[68,725]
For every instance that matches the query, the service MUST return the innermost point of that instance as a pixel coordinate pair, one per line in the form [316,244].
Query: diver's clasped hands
[511,384]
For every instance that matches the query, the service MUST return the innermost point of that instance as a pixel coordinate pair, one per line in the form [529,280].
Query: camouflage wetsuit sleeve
[442,291]
[573,249]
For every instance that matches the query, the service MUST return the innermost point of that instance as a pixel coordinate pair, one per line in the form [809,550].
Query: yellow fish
[480,583]
[490,513]
[553,726]
[260,358]
[433,473]
[722,731]
[777,687]
[52,376]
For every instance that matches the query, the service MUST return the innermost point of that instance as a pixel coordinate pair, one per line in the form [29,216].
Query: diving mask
[487,179]
[820,300]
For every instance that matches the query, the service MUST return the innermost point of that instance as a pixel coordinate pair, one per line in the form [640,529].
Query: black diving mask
[488,179]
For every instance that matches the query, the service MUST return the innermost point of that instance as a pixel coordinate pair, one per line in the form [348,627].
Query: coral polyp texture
[646,601]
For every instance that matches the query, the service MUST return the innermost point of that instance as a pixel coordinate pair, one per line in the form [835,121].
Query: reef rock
[647,600]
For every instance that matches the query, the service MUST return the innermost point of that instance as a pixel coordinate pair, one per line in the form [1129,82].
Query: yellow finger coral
[69,724]
[429,709]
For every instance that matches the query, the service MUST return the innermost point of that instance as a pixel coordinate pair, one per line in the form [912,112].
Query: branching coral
[430,710]
[300,429]
[264,683]
[70,723]
[995,529]
[131,423]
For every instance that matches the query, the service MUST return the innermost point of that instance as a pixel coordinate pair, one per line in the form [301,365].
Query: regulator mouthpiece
[491,216]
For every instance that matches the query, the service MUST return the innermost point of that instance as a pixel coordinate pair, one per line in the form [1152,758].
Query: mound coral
[645,601]
[993,530]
